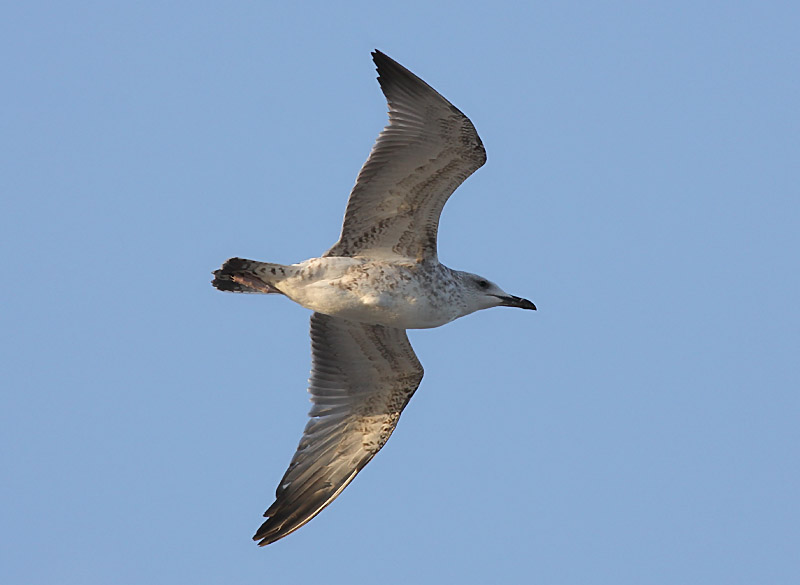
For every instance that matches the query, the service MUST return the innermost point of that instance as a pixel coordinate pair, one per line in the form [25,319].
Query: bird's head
[482,293]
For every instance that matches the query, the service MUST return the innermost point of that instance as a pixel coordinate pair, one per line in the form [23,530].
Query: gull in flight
[382,277]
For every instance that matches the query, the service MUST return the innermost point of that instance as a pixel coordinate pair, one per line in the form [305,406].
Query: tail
[248,276]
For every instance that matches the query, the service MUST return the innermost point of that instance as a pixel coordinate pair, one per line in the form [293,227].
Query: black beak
[519,302]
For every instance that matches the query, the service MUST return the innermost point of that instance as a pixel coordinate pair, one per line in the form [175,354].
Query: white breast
[375,292]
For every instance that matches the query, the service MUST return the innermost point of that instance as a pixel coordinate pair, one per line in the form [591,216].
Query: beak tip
[519,302]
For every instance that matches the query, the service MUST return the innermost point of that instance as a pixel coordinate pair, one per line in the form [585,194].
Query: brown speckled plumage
[382,277]
[428,149]
[362,377]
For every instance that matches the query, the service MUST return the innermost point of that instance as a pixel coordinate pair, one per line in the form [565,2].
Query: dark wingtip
[268,533]
[384,64]
[391,73]
[261,539]
[378,55]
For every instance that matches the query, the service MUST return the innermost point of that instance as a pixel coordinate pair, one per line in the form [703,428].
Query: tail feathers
[248,276]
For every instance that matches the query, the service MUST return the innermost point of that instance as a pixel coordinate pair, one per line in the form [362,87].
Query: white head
[481,293]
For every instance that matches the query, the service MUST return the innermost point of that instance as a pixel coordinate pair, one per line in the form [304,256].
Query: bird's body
[395,293]
[382,277]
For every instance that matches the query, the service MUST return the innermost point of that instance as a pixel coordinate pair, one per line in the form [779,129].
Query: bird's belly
[400,309]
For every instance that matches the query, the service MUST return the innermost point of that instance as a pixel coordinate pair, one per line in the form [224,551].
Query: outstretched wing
[362,376]
[428,149]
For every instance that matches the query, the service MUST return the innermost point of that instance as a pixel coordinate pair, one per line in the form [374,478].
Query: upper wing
[362,376]
[428,149]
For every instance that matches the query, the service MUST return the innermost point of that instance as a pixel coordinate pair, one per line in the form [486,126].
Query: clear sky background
[642,188]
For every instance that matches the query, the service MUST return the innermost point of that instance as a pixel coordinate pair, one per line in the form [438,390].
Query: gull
[382,277]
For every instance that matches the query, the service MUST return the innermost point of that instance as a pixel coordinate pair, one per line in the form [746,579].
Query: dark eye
[483,284]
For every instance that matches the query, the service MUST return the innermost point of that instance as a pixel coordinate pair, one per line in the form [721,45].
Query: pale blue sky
[642,188]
